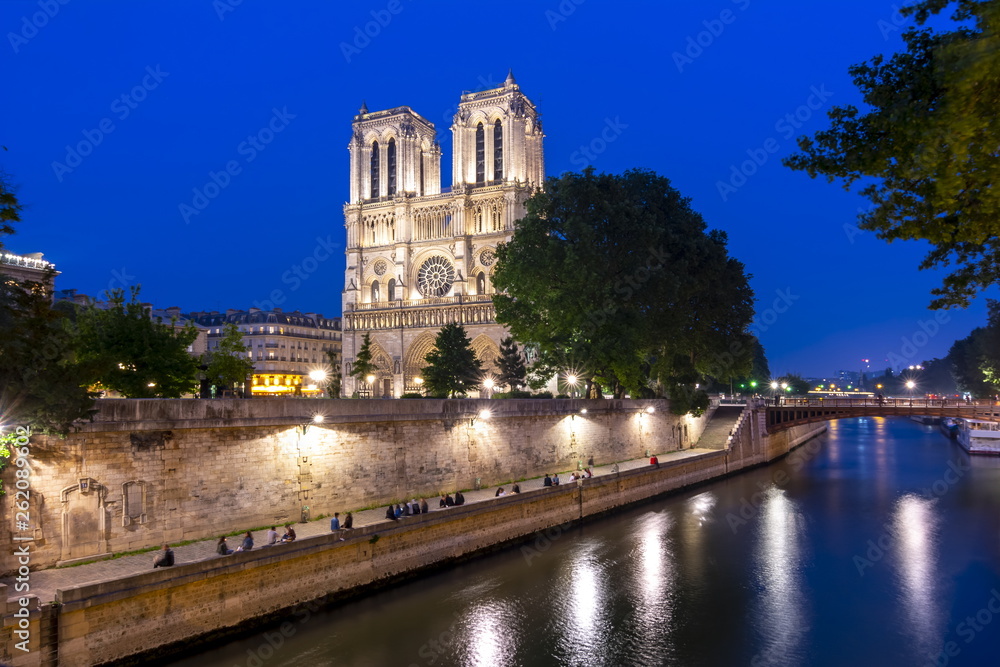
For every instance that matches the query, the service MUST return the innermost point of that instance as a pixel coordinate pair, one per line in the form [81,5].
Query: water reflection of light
[701,506]
[656,579]
[782,620]
[580,606]
[914,528]
[488,641]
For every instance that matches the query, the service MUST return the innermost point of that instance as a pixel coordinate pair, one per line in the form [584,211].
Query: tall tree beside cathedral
[924,148]
[133,354]
[42,382]
[511,365]
[363,366]
[228,364]
[452,367]
[620,275]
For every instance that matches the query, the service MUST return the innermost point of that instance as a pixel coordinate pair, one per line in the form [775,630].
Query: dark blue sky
[606,75]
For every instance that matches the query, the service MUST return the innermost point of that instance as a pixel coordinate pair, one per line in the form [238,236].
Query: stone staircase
[716,434]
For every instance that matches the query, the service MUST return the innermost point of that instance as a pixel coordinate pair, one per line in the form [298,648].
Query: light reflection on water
[580,606]
[782,619]
[914,539]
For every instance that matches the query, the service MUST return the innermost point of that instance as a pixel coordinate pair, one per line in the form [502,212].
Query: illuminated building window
[480,154]
[391,160]
[497,151]
[374,170]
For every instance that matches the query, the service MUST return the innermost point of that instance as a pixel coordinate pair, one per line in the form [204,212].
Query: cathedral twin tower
[419,256]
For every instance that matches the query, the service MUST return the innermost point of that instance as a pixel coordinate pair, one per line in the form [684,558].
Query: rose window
[435,277]
[380,267]
[487,257]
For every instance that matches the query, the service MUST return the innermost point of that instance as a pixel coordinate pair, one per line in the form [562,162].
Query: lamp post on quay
[370,379]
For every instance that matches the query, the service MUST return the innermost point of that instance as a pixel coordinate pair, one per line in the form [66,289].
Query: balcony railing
[458,299]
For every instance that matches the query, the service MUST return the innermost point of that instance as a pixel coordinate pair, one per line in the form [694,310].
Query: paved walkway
[45,583]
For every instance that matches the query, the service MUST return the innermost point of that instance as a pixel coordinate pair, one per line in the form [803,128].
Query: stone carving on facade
[380,267]
[487,257]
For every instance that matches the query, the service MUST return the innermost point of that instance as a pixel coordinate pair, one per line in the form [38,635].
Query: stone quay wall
[146,472]
[129,620]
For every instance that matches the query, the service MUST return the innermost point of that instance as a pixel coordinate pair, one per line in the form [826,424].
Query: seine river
[875,544]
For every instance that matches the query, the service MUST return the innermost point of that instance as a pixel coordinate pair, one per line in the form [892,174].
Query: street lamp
[571,381]
[370,379]
[318,378]
[488,385]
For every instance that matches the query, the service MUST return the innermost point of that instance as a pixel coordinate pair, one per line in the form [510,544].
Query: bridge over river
[795,411]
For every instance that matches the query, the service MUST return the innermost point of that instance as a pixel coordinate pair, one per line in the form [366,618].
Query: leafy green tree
[133,354]
[796,385]
[975,359]
[42,382]
[10,207]
[228,364]
[452,367]
[618,278]
[363,366]
[511,365]
[925,150]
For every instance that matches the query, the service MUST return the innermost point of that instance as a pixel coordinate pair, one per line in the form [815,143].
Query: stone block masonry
[152,471]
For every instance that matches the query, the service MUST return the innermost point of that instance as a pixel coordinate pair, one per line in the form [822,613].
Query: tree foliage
[333,381]
[975,359]
[617,279]
[228,364]
[42,383]
[452,367]
[133,354]
[363,366]
[511,365]
[926,147]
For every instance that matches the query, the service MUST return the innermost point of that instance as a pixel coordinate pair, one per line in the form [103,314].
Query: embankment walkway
[45,583]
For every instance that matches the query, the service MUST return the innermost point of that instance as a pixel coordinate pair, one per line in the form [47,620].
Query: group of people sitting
[448,501]
[501,492]
[398,511]
[271,538]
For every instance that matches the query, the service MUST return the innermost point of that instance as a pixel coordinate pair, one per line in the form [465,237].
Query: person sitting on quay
[390,514]
[459,498]
[444,501]
[165,558]
[653,461]
[335,522]
[555,480]
[349,521]
[247,543]
[516,489]
[500,492]
[424,509]
[222,548]
[449,501]
[271,538]
[399,511]
[547,481]
[289,535]
[589,472]
[414,507]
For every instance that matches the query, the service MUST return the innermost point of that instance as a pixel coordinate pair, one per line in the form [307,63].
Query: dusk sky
[116,113]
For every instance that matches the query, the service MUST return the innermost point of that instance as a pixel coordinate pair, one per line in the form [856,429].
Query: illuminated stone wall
[149,471]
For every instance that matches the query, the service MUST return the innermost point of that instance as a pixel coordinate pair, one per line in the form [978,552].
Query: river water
[877,543]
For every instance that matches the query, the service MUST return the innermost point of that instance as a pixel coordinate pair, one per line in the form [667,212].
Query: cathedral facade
[420,256]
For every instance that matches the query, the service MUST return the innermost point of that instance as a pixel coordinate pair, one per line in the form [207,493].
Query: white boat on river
[978,436]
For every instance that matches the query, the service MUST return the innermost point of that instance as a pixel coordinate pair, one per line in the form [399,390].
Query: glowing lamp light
[485,414]
[489,383]
[418,380]
[910,384]
[317,376]
[370,378]
[583,411]
[774,385]
[650,409]
[571,379]
[317,419]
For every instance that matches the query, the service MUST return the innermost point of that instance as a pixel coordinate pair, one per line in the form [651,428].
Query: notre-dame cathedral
[420,256]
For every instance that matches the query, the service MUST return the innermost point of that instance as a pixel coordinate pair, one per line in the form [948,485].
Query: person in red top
[653,461]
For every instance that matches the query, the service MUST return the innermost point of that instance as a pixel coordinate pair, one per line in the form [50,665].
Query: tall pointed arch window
[481,283]
[390,155]
[374,169]
[497,151]
[480,154]
[376,297]
[391,292]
